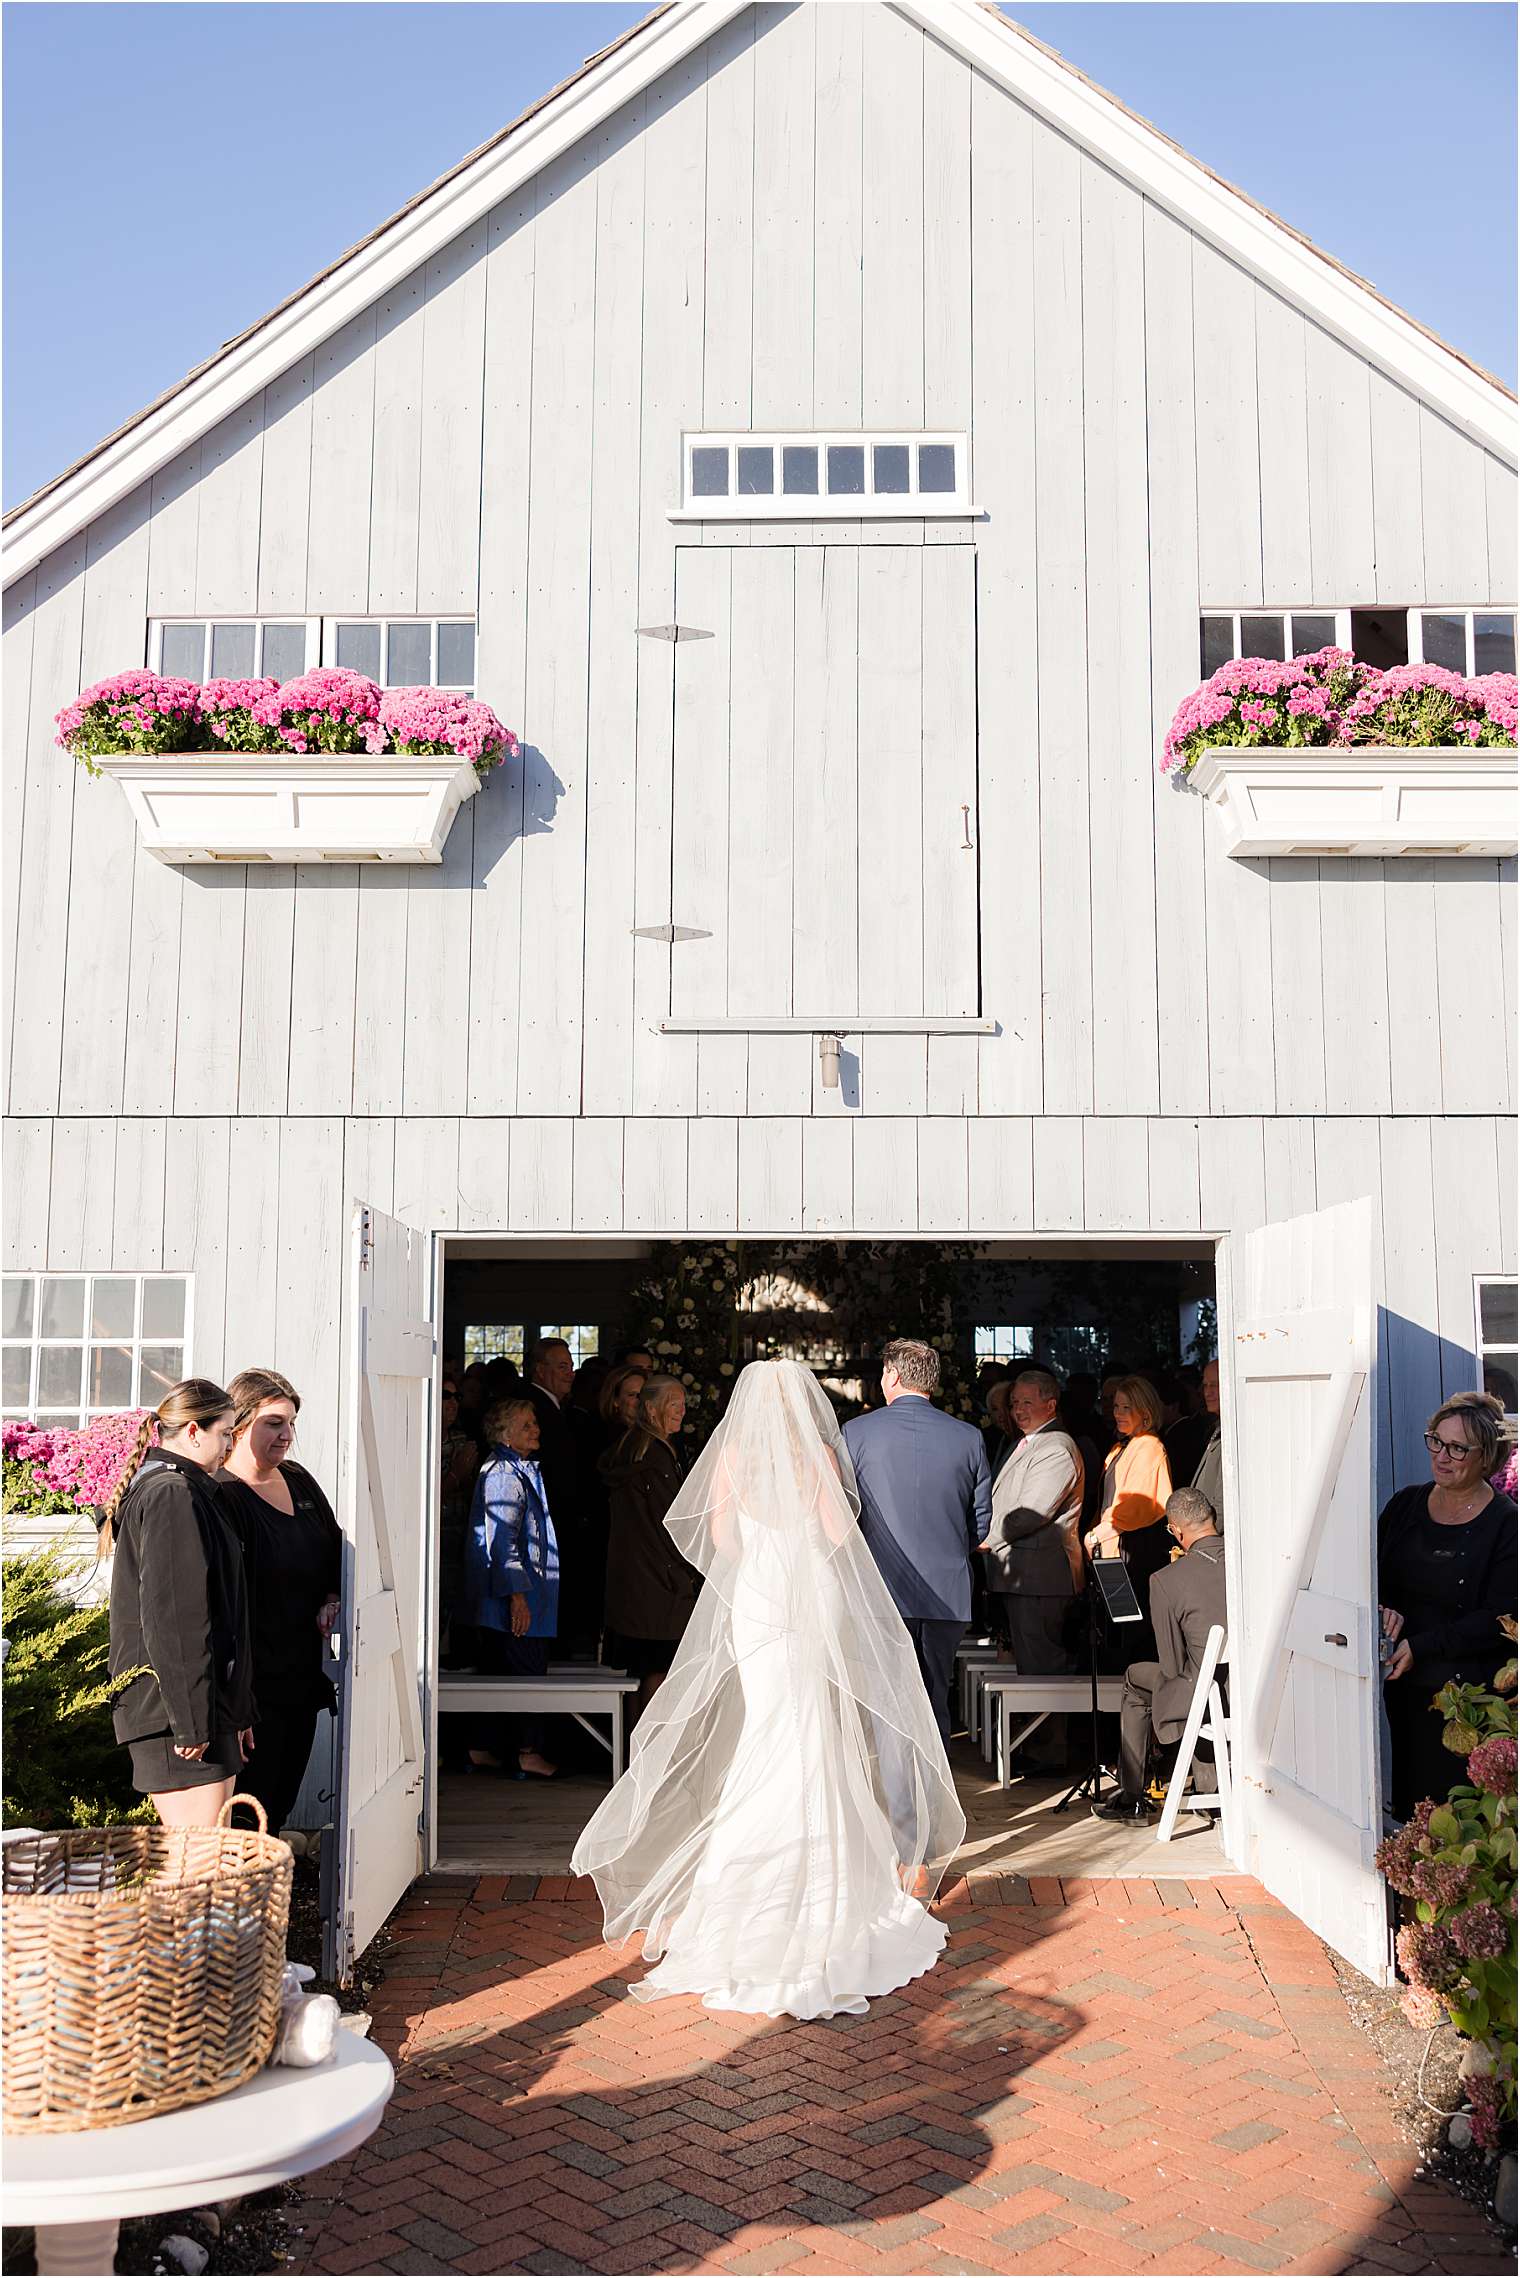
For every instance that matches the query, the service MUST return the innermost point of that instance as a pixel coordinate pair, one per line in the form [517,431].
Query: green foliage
[64,1766]
[1456,1860]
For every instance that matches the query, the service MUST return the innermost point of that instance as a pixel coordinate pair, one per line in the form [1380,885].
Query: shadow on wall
[519,802]
[1418,1369]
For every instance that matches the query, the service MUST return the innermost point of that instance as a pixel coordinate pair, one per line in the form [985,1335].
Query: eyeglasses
[1456,1449]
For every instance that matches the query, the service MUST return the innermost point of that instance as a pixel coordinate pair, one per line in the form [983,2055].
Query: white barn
[947,399]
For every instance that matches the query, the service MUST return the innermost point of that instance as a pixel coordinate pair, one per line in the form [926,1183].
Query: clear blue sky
[171,171]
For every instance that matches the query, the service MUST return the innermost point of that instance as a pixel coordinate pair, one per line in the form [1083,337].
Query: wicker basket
[142,1969]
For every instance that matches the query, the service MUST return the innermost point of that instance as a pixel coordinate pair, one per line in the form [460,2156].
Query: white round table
[285,2121]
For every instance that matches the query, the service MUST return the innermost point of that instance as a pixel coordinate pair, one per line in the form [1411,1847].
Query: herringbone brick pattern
[1103,2076]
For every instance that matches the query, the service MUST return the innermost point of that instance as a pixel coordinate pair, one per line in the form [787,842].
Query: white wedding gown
[788,1778]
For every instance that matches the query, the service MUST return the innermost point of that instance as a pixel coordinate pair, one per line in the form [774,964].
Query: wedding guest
[998,1433]
[1187,1600]
[458,1464]
[1136,1483]
[293,1561]
[1081,1415]
[549,1369]
[1446,1572]
[651,1589]
[179,1611]
[1208,1474]
[1034,1556]
[1186,1439]
[635,1356]
[512,1574]
[618,1401]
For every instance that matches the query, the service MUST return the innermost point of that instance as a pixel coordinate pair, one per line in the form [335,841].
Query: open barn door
[1303,1629]
[379,1846]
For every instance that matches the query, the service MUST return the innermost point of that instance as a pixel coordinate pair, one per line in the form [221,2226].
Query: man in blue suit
[925,1506]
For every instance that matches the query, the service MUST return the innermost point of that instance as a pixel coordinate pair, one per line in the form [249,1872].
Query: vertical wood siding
[1153,433]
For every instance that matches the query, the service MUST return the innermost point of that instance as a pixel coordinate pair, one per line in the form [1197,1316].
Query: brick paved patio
[1098,2077]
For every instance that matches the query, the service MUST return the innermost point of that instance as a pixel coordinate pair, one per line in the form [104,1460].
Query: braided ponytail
[196,1401]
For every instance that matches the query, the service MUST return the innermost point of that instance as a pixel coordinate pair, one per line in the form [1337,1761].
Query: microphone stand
[1091,1783]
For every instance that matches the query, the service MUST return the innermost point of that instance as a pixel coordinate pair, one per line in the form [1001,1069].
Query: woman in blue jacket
[512,1571]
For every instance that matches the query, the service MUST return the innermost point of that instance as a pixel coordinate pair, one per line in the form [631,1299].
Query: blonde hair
[616,1378]
[1485,1419]
[1141,1397]
[196,1401]
[251,1387]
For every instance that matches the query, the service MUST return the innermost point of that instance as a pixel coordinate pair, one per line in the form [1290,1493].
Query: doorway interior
[1080,1305]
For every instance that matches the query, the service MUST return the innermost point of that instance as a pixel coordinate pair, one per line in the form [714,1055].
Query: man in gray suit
[1187,1601]
[925,1506]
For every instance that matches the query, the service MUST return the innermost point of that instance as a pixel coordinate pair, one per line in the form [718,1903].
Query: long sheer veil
[769,1514]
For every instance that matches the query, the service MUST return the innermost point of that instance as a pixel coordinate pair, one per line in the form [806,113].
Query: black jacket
[179,1608]
[1451,1584]
[291,1566]
[650,1588]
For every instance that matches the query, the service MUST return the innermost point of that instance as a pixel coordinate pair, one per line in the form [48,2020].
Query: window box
[221,806]
[1367,800]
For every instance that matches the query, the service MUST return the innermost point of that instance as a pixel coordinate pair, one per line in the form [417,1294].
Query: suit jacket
[925,1504]
[1036,1508]
[1209,1476]
[1187,1601]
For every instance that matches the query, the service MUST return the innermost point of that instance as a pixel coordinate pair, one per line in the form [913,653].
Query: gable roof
[1034,74]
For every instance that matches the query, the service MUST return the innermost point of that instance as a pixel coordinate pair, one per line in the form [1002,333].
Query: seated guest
[1034,1557]
[1187,1600]
[1446,1572]
[512,1571]
[1136,1484]
[1208,1473]
[293,1564]
[651,1591]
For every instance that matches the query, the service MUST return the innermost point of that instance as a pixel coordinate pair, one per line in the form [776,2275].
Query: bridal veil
[787,1782]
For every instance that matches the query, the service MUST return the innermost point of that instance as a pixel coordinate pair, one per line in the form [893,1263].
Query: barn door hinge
[671,933]
[674,633]
[366,1239]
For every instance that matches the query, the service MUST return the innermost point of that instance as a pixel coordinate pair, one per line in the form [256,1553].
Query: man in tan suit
[1033,1550]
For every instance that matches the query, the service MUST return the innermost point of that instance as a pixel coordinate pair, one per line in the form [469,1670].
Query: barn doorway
[1079,1309]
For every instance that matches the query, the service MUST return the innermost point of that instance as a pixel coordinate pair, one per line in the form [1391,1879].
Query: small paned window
[1004,1344]
[1468,641]
[768,477]
[405,652]
[1274,633]
[233,648]
[1497,1341]
[73,1346]
[511,1340]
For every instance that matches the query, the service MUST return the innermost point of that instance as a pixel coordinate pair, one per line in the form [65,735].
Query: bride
[788,1809]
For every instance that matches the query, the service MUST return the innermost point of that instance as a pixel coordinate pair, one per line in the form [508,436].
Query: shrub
[1455,1861]
[1329,700]
[64,1766]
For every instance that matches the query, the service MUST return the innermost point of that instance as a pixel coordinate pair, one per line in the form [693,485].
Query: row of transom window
[1468,641]
[398,652]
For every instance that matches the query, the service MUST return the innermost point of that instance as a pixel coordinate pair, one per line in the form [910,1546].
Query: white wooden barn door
[1303,1646]
[381,1757]
[824,816]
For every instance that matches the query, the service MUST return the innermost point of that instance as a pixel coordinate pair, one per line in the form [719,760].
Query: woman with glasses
[1446,1572]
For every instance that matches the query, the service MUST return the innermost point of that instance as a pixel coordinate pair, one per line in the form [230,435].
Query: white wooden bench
[567,1688]
[1007,1697]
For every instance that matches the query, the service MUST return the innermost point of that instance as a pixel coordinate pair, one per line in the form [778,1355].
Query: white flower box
[221,806]
[1379,801]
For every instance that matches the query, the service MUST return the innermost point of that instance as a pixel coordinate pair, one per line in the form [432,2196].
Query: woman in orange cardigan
[1132,1513]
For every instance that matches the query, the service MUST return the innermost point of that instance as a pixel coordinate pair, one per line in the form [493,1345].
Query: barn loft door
[825,800]
[381,1748]
[1303,1649]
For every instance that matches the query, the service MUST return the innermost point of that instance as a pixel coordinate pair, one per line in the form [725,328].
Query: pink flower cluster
[426,721]
[1329,699]
[1491,1765]
[85,1465]
[134,711]
[330,709]
[1507,1477]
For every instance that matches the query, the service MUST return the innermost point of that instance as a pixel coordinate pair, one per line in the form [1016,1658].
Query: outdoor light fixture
[828,1061]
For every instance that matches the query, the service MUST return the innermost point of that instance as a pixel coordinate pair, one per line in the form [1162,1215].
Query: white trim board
[1056,92]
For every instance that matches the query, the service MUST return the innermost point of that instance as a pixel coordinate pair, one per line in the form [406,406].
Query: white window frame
[208,618]
[1481,1348]
[998,1329]
[1466,610]
[39,1344]
[820,506]
[385,619]
[1413,616]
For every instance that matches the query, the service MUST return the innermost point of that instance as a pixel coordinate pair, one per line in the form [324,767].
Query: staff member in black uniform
[1446,1572]
[179,1611]
[293,1557]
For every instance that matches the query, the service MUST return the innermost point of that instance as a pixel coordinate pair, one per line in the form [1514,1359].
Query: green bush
[64,1766]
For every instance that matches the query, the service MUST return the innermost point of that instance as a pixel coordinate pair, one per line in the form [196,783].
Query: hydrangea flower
[1442,1881]
[1428,1957]
[1491,1765]
[1480,1933]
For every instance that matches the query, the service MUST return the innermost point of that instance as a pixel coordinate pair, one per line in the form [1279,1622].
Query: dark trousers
[934,1644]
[1037,1632]
[499,1654]
[1136,1724]
[281,1749]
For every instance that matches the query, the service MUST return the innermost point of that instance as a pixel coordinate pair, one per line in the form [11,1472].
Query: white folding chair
[1206,1720]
